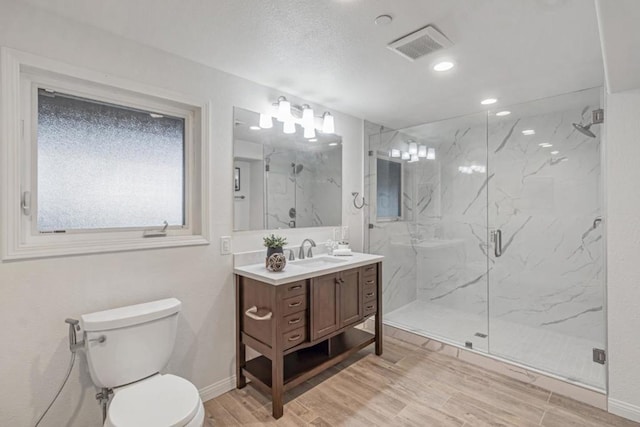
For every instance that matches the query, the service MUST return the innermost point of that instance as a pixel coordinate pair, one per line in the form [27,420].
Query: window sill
[46,250]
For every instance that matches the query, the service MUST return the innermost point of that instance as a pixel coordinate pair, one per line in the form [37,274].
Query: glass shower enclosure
[491,228]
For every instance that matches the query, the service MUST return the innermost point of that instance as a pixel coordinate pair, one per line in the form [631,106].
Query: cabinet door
[324,305]
[350,297]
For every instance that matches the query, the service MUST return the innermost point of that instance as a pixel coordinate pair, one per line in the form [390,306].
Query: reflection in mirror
[284,180]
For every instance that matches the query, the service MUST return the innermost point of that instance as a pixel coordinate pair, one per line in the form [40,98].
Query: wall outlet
[345,232]
[225,245]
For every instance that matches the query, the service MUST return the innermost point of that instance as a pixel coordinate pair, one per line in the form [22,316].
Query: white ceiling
[331,52]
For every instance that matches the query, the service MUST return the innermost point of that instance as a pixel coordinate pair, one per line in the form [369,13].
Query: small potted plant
[274,245]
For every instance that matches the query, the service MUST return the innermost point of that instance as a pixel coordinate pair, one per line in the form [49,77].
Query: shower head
[585,129]
[297,168]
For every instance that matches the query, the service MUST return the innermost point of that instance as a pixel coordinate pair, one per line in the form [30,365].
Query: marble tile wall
[550,276]
[314,191]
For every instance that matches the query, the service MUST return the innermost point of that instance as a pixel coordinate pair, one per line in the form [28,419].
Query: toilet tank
[138,341]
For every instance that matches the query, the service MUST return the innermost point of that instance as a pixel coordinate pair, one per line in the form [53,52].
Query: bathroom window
[103,167]
[389,189]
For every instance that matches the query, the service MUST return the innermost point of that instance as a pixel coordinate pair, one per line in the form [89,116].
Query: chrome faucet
[309,253]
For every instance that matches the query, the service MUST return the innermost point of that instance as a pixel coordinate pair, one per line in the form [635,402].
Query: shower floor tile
[563,355]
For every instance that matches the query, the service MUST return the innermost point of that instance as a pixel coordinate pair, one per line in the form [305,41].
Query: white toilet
[126,348]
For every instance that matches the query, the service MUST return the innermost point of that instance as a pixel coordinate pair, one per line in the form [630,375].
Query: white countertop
[294,271]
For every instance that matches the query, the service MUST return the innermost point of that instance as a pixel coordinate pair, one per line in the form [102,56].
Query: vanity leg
[241,359]
[277,386]
[378,327]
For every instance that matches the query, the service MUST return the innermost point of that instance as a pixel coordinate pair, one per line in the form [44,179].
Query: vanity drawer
[294,304]
[370,291]
[369,271]
[294,321]
[295,337]
[294,289]
[370,308]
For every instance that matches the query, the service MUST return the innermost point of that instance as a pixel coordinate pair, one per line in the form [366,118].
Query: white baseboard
[623,409]
[217,388]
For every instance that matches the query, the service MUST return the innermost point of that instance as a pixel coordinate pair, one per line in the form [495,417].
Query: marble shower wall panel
[281,186]
[551,273]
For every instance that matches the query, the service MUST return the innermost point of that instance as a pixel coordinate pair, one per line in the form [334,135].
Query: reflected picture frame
[236,179]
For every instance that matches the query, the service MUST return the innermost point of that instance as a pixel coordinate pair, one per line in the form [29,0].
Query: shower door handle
[497,243]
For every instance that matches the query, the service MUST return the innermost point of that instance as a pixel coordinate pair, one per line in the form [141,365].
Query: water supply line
[74,345]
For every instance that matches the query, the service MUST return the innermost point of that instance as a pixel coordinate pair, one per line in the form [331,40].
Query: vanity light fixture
[431,154]
[488,101]
[406,156]
[528,132]
[413,148]
[289,127]
[422,151]
[309,132]
[266,121]
[328,125]
[284,109]
[290,115]
[414,158]
[503,113]
[395,153]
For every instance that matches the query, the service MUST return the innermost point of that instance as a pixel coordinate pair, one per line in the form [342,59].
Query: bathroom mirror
[284,180]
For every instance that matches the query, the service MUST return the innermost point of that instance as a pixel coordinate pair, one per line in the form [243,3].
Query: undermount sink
[324,261]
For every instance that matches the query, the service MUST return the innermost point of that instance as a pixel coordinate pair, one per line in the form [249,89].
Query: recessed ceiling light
[443,66]
[254,127]
[528,132]
[545,145]
[488,101]
[383,20]
[313,140]
[555,152]
[333,144]
[503,113]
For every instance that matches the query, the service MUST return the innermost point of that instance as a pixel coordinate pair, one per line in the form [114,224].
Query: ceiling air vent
[420,43]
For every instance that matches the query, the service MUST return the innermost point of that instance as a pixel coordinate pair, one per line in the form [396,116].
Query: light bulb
[266,122]
[422,151]
[413,148]
[284,109]
[307,117]
[328,126]
[395,153]
[309,132]
[431,154]
[406,156]
[289,127]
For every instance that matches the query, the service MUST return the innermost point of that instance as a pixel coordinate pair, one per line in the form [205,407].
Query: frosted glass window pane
[389,187]
[106,166]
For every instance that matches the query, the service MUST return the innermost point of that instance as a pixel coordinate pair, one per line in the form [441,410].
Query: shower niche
[499,243]
[284,180]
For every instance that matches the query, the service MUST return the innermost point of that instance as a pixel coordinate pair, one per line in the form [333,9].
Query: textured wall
[36,296]
[623,248]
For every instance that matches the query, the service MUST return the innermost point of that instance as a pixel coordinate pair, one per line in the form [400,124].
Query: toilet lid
[160,401]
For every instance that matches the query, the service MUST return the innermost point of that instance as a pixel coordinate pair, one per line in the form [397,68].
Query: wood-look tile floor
[408,386]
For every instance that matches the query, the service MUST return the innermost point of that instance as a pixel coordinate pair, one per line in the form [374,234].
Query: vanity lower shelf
[303,364]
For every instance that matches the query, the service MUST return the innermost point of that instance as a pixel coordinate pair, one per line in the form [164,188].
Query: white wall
[623,243]
[36,296]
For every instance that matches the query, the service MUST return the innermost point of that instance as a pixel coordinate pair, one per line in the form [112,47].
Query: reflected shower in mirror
[283,180]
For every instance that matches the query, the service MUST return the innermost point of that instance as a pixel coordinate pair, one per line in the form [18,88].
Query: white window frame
[21,75]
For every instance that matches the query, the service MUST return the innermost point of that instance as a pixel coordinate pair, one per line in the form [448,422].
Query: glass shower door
[546,266]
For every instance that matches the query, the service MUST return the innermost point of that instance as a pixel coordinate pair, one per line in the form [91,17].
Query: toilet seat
[159,401]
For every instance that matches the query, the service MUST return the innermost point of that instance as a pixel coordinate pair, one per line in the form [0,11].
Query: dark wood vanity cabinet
[304,327]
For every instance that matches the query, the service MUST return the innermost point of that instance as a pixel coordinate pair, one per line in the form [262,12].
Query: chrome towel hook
[355,195]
